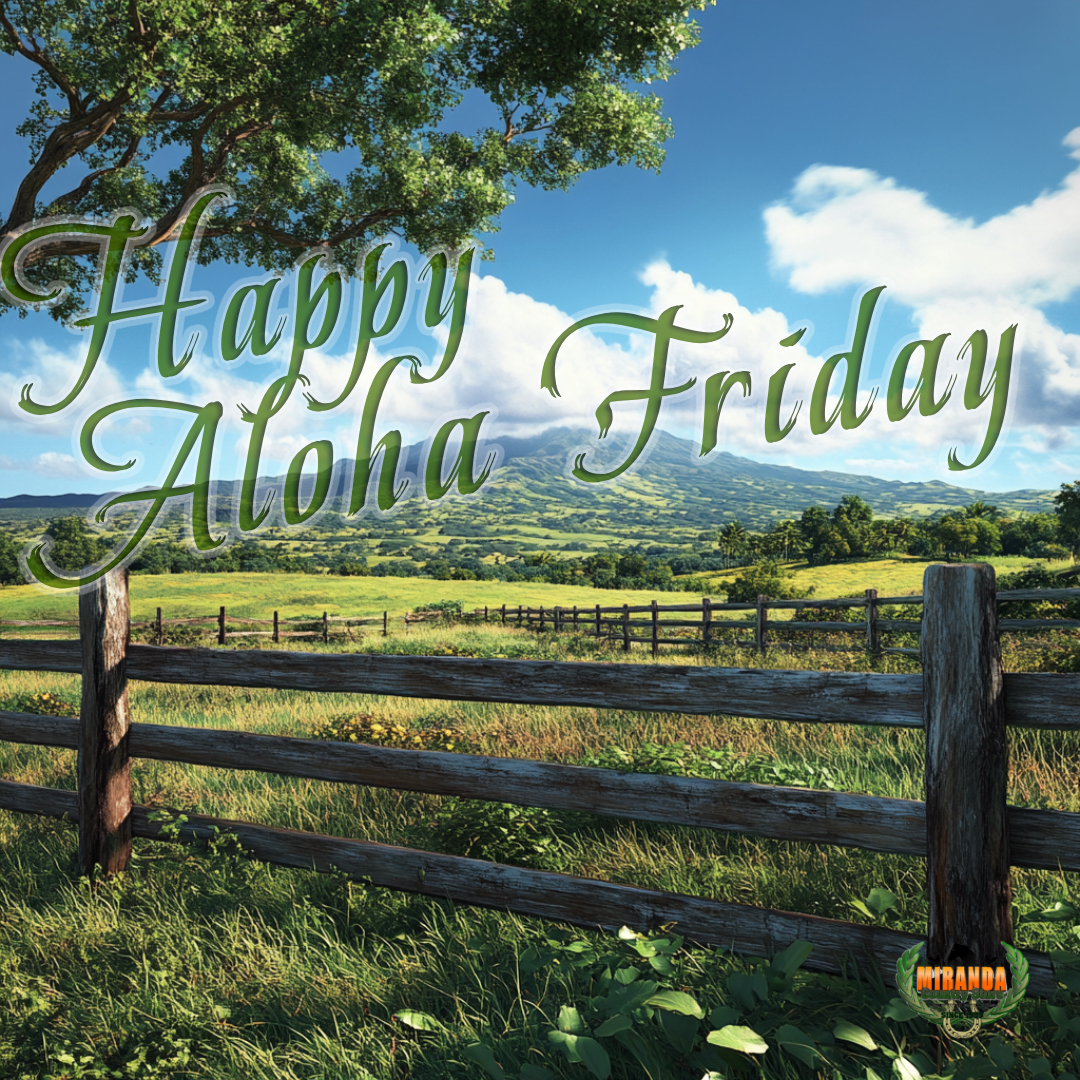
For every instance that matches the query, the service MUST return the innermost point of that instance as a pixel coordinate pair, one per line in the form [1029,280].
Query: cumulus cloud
[49,463]
[843,227]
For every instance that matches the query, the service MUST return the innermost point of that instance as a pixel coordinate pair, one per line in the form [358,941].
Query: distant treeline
[848,531]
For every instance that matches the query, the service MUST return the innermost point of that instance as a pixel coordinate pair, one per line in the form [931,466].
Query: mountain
[672,489]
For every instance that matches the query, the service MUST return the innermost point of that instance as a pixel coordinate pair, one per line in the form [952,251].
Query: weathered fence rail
[963,727]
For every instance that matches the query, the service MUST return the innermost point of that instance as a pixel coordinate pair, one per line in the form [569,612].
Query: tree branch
[36,56]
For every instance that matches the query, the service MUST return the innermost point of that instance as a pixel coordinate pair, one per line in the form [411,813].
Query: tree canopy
[331,120]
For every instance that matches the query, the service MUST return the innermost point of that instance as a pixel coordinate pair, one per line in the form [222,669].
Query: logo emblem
[955,985]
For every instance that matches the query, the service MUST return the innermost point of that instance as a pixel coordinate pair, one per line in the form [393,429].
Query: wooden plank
[1041,839]
[824,604]
[249,633]
[906,625]
[1039,624]
[1038,594]
[967,769]
[1040,700]
[104,767]
[39,622]
[562,898]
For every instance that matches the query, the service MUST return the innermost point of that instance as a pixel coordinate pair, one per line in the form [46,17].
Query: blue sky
[818,150]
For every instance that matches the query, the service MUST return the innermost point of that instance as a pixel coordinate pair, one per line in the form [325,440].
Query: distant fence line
[965,829]
[618,622]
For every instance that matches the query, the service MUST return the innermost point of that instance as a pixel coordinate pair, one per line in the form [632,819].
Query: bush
[766,578]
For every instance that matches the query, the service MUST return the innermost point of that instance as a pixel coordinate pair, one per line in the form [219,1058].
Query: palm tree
[732,537]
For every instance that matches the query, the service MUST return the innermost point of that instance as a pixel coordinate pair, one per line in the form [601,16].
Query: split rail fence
[624,622]
[965,830]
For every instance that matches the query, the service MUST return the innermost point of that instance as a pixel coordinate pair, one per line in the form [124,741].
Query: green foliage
[1067,502]
[364,728]
[10,572]
[43,704]
[498,832]
[147,104]
[765,579]
[723,763]
[74,545]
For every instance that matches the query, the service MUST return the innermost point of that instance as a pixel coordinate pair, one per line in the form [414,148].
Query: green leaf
[613,1025]
[482,1054]
[1038,1066]
[748,990]
[628,998]
[662,964]
[793,339]
[860,907]
[681,1030]
[798,1044]
[905,1070]
[595,1057]
[853,1033]
[793,957]
[1059,911]
[570,1021]
[1001,1053]
[897,1010]
[738,1038]
[723,1015]
[419,1021]
[536,1072]
[676,1001]
[871,1075]
[567,1042]
[626,975]
[881,900]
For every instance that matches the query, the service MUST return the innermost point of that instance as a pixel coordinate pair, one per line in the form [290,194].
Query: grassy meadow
[258,595]
[199,963]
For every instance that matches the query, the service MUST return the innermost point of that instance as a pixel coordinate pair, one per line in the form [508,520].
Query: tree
[732,538]
[74,545]
[10,574]
[146,101]
[1068,515]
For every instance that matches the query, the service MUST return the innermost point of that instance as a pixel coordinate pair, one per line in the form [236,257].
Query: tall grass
[208,965]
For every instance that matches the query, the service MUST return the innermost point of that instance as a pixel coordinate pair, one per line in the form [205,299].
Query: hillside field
[257,595]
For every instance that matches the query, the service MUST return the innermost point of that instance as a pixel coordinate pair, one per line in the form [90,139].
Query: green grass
[206,965]
[258,595]
[891,577]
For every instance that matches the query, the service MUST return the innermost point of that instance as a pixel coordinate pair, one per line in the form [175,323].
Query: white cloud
[844,227]
[49,463]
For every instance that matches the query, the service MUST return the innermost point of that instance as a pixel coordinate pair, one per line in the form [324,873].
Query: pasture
[202,964]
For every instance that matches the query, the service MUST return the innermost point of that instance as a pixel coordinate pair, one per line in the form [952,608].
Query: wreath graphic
[905,983]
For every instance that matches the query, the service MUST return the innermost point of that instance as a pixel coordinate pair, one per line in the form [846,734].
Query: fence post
[706,620]
[325,629]
[277,636]
[221,626]
[626,627]
[485,613]
[575,618]
[967,768]
[160,638]
[504,614]
[655,630]
[104,768]
[519,615]
[760,626]
[385,623]
[541,617]
[557,617]
[873,640]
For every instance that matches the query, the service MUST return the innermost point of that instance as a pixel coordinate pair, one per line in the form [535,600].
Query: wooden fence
[222,620]
[965,829]
[623,622]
